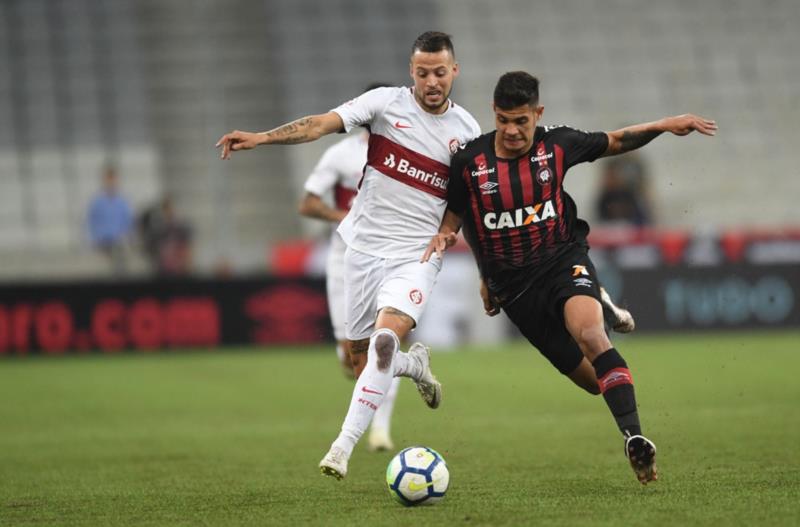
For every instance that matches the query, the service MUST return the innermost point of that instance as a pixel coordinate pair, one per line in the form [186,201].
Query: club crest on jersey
[520,217]
[415,295]
[544,176]
[453,145]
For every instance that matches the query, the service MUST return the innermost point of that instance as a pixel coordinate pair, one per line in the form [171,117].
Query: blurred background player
[624,197]
[166,239]
[414,131]
[110,221]
[530,245]
[337,174]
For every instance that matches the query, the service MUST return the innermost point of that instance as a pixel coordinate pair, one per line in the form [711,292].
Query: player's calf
[616,385]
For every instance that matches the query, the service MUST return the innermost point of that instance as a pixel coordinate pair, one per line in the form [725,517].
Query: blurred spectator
[167,239]
[110,221]
[624,193]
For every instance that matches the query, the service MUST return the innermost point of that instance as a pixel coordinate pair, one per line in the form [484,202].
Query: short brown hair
[432,42]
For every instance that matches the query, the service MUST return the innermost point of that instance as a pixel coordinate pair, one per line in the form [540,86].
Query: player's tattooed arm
[638,135]
[302,130]
[631,138]
[290,133]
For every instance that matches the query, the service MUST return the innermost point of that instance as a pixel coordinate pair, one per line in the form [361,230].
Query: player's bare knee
[593,341]
[385,348]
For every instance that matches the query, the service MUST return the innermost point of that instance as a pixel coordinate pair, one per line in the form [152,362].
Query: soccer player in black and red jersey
[506,190]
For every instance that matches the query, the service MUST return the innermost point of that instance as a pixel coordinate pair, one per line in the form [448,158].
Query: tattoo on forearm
[633,140]
[292,133]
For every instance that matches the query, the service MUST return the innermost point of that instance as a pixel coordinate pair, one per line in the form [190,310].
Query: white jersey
[403,193]
[339,170]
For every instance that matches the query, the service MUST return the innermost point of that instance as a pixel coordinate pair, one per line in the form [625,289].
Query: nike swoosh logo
[414,487]
[398,124]
[367,390]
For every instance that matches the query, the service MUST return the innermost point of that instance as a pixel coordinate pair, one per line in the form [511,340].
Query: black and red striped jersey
[517,217]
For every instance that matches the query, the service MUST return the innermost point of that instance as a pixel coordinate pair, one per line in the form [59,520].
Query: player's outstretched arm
[302,130]
[638,135]
[445,238]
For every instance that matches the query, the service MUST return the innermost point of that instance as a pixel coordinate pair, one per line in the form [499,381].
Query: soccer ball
[417,475]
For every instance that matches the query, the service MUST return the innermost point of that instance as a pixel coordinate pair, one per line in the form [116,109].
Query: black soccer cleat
[641,452]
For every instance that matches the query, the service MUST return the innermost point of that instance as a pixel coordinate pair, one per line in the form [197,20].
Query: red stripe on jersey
[407,166]
[546,195]
[528,196]
[485,204]
[507,196]
[559,191]
[343,197]
[483,178]
[526,180]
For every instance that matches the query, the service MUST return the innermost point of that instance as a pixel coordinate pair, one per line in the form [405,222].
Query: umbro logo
[398,124]
[490,187]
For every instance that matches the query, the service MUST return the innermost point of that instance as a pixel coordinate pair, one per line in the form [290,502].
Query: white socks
[371,388]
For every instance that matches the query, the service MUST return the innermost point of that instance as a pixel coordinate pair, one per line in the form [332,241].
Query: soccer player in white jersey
[413,133]
[336,175]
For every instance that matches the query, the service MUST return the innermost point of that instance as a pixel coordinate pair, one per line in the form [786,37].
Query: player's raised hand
[688,123]
[439,244]
[236,140]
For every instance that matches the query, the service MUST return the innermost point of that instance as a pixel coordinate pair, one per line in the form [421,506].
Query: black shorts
[539,311]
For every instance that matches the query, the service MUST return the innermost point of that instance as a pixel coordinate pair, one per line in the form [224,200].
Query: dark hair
[516,88]
[376,85]
[432,42]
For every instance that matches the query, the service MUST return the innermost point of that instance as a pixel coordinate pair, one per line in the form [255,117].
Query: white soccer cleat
[379,440]
[641,452]
[619,319]
[429,388]
[334,463]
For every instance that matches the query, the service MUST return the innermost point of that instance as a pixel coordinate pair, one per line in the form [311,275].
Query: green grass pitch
[234,438]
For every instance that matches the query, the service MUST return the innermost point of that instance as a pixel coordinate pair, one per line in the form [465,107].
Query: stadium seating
[153,84]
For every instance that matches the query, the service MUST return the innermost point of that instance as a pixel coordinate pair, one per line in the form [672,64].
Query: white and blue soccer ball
[417,475]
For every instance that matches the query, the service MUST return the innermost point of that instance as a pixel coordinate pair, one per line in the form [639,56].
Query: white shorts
[334,283]
[372,283]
